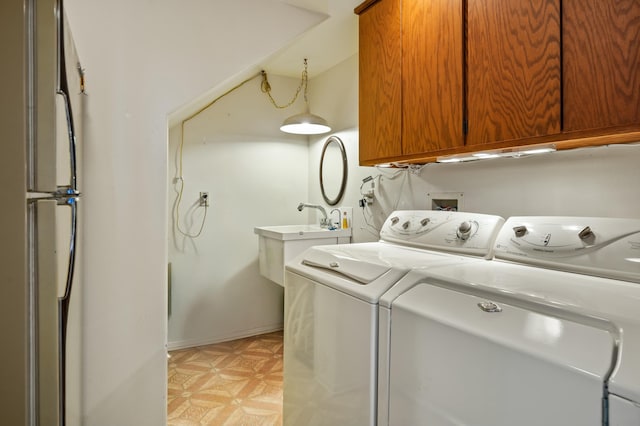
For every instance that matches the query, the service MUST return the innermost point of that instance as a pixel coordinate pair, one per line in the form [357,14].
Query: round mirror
[333,170]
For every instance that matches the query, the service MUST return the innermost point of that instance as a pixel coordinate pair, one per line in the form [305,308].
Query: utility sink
[279,244]
[301,232]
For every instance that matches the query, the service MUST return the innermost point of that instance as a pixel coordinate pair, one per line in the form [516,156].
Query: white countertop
[300,232]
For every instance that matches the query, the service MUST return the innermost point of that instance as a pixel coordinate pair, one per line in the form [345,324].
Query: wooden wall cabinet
[440,77]
[410,73]
[601,58]
[432,76]
[512,69]
[380,80]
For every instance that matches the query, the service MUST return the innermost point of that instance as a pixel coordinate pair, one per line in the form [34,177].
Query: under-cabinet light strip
[498,153]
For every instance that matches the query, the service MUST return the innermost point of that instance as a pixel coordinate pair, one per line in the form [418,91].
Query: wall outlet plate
[204,199]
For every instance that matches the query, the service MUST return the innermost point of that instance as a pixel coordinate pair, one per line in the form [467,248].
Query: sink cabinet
[441,77]
[278,245]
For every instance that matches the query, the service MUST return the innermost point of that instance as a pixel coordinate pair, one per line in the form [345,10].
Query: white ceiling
[327,44]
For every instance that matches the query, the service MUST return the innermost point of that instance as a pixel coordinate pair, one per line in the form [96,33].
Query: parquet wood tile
[237,383]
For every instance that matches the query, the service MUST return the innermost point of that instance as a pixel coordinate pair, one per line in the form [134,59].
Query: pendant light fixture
[304,123]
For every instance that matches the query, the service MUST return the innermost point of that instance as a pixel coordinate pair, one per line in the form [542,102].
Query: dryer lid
[567,295]
[494,355]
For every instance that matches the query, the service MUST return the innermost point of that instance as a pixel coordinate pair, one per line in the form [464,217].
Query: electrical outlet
[204,199]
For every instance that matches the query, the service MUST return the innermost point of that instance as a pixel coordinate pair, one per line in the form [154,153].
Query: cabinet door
[432,82]
[380,81]
[601,57]
[513,69]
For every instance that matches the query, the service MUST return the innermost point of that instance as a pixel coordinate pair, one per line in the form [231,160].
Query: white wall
[144,60]
[584,182]
[334,96]
[256,176]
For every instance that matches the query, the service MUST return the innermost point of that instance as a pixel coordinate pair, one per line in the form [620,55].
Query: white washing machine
[331,309]
[546,334]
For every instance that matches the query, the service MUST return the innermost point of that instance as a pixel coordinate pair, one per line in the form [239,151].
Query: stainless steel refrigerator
[40,221]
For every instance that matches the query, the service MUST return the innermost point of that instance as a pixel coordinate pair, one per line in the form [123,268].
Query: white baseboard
[190,343]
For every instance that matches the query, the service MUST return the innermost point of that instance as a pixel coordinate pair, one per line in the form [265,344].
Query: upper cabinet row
[440,77]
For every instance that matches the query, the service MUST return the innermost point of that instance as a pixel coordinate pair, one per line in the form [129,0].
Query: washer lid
[361,271]
[366,270]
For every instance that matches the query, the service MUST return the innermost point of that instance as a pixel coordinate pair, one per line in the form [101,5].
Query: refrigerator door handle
[73,184]
[72,202]
[63,90]
[63,305]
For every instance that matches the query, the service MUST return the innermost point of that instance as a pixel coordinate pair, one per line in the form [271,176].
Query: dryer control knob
[394,220]
[586,233]
[405,225]
[520,230]
[425,221]
[464,230]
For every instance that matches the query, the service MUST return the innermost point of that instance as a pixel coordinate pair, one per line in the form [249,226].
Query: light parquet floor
[237,383]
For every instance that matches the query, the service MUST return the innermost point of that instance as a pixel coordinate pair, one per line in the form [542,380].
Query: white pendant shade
[305,124]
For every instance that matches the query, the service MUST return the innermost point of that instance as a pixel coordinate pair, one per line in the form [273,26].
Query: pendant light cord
[304,79]
[265,87]
[180,156]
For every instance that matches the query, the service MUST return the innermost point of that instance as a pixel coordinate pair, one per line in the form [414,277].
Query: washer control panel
[462,232]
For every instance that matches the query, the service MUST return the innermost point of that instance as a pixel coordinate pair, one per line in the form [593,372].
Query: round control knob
[405,225]
[394,220]
[520,231]
[425,221]
[464,230]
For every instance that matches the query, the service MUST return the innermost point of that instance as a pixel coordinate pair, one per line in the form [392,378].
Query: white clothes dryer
[546,334]
[331,309]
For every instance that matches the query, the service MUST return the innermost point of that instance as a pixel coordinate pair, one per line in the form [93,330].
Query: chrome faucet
[335,224]
[324,221]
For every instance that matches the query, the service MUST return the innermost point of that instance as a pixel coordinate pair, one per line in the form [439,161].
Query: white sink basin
[300,232]
[279,244]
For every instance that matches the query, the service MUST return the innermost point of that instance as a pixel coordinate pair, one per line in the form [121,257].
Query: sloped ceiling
[215,43]
[325,45]
[320,6]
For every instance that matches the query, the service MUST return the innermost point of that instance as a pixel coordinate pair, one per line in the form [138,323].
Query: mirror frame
[345,168]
